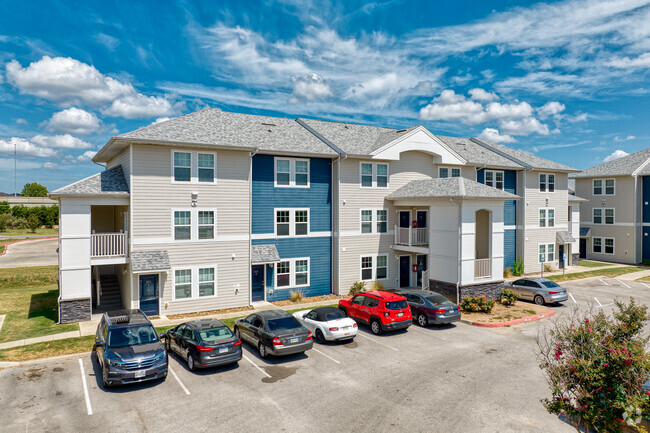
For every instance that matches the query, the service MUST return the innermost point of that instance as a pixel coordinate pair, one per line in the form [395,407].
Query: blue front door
[257,283]
[149,294]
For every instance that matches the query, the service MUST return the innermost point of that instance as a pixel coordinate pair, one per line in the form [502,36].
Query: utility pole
[15,170]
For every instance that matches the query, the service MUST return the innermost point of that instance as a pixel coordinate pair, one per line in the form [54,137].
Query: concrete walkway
[31,252]
[90,327]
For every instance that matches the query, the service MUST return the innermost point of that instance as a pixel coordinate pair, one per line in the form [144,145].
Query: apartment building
[215,210]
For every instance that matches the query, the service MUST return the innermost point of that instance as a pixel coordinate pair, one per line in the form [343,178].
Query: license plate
[224,350]
[293,340]
[347,333]
[139,374]
[400,314]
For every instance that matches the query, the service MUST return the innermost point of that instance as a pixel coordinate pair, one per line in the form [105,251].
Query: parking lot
[456,378]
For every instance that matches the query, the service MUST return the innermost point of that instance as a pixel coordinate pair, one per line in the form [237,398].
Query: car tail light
[204,349]
[237,343]
[355,325]
[440,311]
[553,293]
[386,313]
[458,308]
[277,342]
[308,336]
[334,329]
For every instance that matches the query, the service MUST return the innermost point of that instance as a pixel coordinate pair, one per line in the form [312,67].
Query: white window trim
[194,167]
[450,168]
[546,245]
[292,222]
[494,178]
[374,267]
[374,175]
[547,183]
[602,246]
[593,187]
[373,221]
[605,209]
[602,215]
[292,274]
[605,246]
[292,172]
[195,282]
[605,186]
[194,224]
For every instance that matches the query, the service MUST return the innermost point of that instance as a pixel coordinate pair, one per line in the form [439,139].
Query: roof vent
[345,126]
[269,124]
[400,130]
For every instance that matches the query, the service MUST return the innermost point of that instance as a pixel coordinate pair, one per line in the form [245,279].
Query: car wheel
[422,320]
[168,345]
[318,335]
[375,326]
[539,300]
[190,362]
[237,333]
[105,378]
[262,349]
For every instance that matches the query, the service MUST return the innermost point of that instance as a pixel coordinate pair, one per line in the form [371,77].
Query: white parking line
[644,284]
[378,342]
[623,283]
[602,305]
[603,281]
[572,298]
[257,366]
[187,391]
[326,356]
[83,379]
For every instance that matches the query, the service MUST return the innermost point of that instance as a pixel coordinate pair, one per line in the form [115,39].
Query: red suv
[383,311]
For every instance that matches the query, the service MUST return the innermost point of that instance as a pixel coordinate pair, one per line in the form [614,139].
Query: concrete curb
[549,313]
[10,364]
[23,240]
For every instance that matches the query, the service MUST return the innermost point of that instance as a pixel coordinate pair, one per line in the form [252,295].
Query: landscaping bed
[501,313]
[307,300]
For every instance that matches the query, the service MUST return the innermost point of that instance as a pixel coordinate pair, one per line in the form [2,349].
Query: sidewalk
[89,327]
[575,270]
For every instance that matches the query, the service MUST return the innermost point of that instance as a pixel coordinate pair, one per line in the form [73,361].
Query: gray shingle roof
[215,127]
[108,182]
[451,187]
[476,154]
[564,237]
[265,253]
[573,197]
[534,161]
[150,260]
[624,166]
[585,232]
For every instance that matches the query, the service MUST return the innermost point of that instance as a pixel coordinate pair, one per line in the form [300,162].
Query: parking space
[458,378]
[601,292]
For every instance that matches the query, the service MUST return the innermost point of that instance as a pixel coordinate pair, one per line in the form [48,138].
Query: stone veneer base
[74,310]
[575,259]
[491,290]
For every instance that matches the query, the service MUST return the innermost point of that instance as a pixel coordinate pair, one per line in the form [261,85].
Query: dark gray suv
[128,348]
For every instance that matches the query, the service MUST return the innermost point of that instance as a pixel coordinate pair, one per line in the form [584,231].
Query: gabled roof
[110,182]
[478,155]
[564,237]
[266,253]
[625,166]
[525,158]
[450,187]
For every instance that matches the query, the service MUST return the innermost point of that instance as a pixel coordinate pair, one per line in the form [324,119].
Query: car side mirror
[163,335]
[99,343]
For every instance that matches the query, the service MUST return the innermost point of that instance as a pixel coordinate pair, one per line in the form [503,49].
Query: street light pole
[15,170]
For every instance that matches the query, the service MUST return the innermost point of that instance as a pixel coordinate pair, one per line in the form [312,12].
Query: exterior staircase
[111,298]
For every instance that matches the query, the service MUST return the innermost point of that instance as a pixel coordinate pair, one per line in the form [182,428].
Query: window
[182,166]
[382,221]
[292,273]
[183,284]
[597,245]
[546,182]
[380,217]
[291,172]
[546,252]
[283,271]
[609,216]
[609,245]
[494,179]
[609,190]
[182,225]
[551,217]
[366,221]
[547,217]
[302,272]
[206,282]
[206,167]
[597,215]
[291,222]
[206,224]
[609,186]
[377,272]
[542,217]
[444,172]
[374,175]
[598,187]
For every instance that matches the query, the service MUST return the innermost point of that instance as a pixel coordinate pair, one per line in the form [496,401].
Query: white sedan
[327,324]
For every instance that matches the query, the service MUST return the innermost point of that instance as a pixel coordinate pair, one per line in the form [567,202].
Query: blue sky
[566,80]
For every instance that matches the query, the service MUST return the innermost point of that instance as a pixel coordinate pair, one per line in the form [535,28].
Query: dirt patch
[307,300]
[33,373]
[501,313]
[209,313]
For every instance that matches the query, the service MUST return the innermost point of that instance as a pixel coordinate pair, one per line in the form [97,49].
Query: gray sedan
[538,290]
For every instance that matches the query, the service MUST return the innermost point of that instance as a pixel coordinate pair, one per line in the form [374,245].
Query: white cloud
[160,119]
[65,141]
[86,156]
[493,135]
[21,164]
[618,139]
[526,126]
[68,81]
[482,95]
[74,121]
[310,87]
[50,165]
[110,42]
[549,109]
[615,155]
[24,148]
[642,61]
[21,121]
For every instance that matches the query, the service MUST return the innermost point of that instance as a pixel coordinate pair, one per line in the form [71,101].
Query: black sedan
[204,343]
[274,332]
[429,307]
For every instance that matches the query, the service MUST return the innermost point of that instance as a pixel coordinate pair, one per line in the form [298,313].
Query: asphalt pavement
[30,253]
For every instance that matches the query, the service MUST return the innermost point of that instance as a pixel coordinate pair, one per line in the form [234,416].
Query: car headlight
[115,363]
[159,357]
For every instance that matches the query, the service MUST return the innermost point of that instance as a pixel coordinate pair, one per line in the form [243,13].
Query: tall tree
[34,190]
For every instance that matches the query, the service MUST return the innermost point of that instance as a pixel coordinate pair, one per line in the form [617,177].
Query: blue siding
[645,254]
[646,199]
[509,248]
[319,251]
[318,197]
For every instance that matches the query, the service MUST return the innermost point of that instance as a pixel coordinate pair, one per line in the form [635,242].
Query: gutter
[250,230]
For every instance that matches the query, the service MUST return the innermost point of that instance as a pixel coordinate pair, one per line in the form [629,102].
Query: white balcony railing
[412,237]
[483,268]
[108,244]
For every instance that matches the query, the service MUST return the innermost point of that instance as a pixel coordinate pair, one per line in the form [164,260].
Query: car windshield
[334,315]
[215,335]
[396,305]
[282,323]
[131,336]
[438,300]
[550,284]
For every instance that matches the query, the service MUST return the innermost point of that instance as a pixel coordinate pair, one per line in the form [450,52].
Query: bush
[17,223]
[507,273]
[646,262]
[596,366]
[4,207]
[518,267]
[4,222]
[476,304]
[33,223]
[20,211]
[508,297]
[296,295]
[358,286]
[377,285]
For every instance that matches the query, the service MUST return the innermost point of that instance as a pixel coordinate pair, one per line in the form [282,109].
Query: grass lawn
[592,264]
[24,232]
[28,298]
[613,272]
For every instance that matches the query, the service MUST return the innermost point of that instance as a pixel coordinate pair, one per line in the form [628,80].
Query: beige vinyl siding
[623,244]
[358,246]
[123,159]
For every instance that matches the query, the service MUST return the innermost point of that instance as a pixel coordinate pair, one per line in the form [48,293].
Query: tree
[4,207]
[596,366]
[4,222]
[33,223]
[34,190]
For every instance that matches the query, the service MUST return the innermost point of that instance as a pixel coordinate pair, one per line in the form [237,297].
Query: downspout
[636,199]
[250,229]
[523,223]
[459,247]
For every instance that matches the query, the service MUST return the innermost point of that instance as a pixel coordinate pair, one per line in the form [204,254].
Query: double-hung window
[494,179]
[183,284]
[195,282]
[598,186]
[366,268]
[609,245]
[292,273]
[194,167]
[547,217]
[542,217]
[194,224]
[546,182]
[182,225]
[546,252]
[283,274]
[610,188]
[292,222]
[382,221]
[374,175]
[291,172]
[206,167]
[182,166]
[597,215]
[597,245]
[380,218]
[604,186]
[206,282]
[206,224]
[448,172]
[609,216]
[374,267]
[603,215]
[366,221]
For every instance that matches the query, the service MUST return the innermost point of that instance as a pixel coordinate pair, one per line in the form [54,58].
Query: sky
[565,80]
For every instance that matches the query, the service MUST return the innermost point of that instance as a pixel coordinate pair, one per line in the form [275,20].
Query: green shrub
[508,297]
[507,272]
[17,223]
[4,222]
[33,223]
[20,211]
[518,267]
[477,304]
[548,268]
[358,286]
[4,207]
[646,262]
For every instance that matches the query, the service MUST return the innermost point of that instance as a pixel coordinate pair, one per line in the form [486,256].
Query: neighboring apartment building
[615,218]
[216,210]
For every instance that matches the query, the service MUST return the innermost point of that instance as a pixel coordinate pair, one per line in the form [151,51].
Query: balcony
[482,268]
[412,237]
[108,245]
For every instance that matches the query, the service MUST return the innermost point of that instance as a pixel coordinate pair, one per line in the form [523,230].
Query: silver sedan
[539,290]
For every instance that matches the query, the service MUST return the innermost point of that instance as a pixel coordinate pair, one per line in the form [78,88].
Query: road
[30,253]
